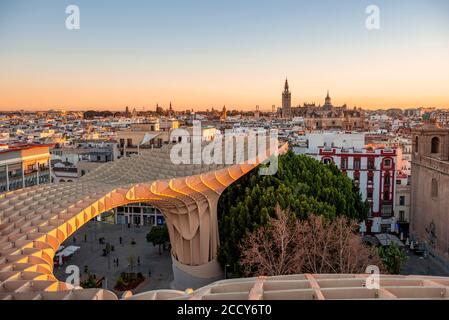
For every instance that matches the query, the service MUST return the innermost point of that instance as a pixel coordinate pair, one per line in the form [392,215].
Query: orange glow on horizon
[116,99]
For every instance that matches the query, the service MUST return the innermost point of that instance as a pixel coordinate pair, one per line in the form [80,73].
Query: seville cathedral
[327,116]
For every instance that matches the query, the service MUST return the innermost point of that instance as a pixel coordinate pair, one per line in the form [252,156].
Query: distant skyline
[200,54]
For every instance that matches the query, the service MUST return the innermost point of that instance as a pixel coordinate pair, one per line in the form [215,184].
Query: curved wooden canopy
[35,221]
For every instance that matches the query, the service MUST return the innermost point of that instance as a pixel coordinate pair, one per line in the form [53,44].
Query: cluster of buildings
[398,159]
[61,147]
[325,117]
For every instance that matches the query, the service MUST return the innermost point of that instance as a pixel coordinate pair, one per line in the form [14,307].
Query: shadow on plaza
[156,268]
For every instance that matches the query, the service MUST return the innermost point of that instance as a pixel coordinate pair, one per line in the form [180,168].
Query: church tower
[170,111]
[224,114]
[286,101]
[327,102]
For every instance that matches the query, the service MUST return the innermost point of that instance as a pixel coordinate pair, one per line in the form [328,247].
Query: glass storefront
[139,214]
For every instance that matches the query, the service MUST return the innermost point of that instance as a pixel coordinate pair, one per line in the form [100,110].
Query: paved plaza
[91,255]
[417,265]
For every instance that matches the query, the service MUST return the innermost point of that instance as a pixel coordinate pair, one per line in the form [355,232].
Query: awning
[386,239]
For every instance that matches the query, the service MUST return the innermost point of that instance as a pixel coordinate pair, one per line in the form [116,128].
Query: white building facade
[373,171]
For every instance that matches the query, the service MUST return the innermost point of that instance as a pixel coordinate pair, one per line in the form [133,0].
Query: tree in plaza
[314,245]
[393,257]
[334,246]
[158,235]
[90,282]
[302,185]
[272,250]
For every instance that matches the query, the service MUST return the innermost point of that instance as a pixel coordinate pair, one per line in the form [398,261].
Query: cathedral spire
[328,101]
[286,85]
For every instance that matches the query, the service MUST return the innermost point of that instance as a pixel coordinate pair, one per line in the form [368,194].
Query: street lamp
[226,270]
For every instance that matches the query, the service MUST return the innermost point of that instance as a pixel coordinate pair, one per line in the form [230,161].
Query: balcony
[31,171]
[71,170]
[44,171]
[387,209]
[15,179]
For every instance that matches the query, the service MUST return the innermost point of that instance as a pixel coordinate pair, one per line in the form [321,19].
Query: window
[387,180]
[370,179]
[387,210]
[327,161]
[416,145]
[434,191]
[356,163]
[402,200]
[129,142]
[386,195]
[435,145]
[122,142]
[387,163]
[369,195]
[344,163]
[371,165]
[401,215]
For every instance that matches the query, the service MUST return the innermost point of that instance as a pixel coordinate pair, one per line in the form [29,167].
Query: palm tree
[393,257]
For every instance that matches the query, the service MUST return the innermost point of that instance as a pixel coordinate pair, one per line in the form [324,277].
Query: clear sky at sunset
[204,53]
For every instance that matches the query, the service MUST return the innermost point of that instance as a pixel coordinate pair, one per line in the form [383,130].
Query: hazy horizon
[205,54]
[181,109]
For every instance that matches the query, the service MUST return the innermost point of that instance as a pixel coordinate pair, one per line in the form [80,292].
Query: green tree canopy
[302,185]
[158,235]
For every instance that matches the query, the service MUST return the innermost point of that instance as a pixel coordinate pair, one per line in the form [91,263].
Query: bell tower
[286,101]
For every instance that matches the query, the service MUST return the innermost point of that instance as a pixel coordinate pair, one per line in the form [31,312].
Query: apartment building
[372,168]
[24,165]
